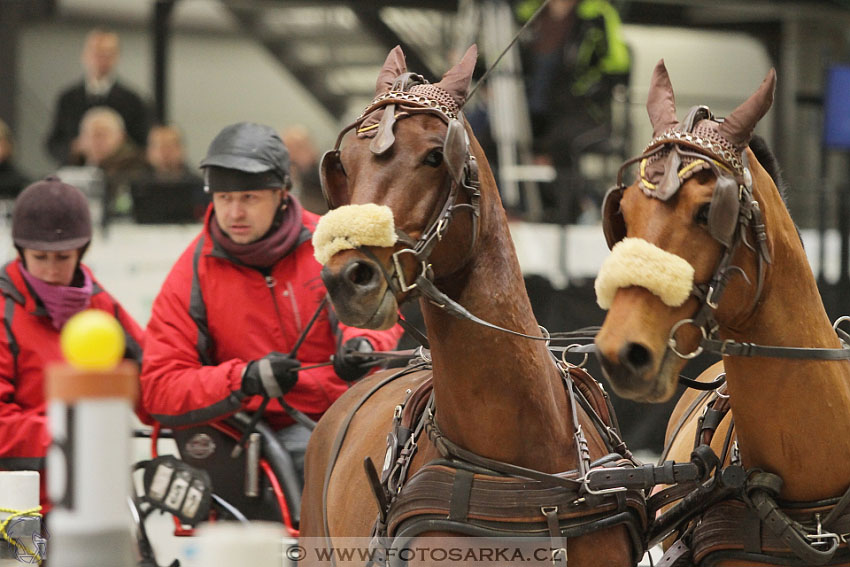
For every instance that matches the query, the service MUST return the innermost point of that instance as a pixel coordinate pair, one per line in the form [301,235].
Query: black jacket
[74,102]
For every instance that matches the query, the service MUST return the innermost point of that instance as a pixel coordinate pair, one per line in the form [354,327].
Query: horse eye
[701,216]
[434,158]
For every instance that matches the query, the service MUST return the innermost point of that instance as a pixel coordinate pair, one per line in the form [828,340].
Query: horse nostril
[360,273]
[635,356]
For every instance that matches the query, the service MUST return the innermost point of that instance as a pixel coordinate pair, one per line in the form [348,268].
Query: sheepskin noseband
[634,261]
[353,226]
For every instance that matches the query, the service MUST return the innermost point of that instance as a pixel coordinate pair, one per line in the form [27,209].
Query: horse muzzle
[355,282]
[632,346]
[359,292]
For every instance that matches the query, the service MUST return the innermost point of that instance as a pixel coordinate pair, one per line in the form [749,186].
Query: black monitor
[168,201]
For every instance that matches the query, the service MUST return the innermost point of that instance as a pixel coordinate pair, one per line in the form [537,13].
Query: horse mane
[769,162]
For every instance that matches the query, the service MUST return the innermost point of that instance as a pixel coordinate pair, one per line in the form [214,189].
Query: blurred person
[166,155]
[99,87]
[305,168]
[241,295]
[12,181]
[42,288]
[103,143]
[574,58]
[168,190]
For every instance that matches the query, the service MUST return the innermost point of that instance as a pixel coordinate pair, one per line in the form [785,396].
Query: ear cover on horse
[394,65]
[661,103]
[456,80]
[738,126]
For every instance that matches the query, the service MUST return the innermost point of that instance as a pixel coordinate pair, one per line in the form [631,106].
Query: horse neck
[496,394]
[791,417]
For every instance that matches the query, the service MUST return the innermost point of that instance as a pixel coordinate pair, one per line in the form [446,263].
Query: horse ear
[394,66]
[456,80]
[661,103]
[738,126]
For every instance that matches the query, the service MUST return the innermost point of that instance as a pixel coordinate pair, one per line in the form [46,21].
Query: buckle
[399,271]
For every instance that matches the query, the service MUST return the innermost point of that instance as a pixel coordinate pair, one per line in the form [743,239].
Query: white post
[88,465]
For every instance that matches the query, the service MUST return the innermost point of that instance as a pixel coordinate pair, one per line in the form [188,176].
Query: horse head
[403,194]
[687,232]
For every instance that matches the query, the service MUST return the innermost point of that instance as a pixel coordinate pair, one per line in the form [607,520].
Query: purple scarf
[266,251]
[61,301]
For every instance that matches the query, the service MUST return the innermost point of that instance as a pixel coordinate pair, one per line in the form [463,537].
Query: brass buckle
[399,271]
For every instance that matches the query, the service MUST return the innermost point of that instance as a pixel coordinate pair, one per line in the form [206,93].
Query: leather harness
[467,494]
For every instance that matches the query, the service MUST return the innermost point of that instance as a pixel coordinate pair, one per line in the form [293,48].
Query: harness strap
[14,347]
[733,348]
[198,309]
[558,543]
[449,449]
[340,437]
[674,553]
[761,489]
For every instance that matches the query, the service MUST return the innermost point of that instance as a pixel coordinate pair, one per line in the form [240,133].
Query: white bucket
[18,491]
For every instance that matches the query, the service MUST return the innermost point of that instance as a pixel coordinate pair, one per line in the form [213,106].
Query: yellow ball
[92,340]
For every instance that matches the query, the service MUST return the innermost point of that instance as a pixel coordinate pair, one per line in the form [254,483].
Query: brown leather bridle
[733,214]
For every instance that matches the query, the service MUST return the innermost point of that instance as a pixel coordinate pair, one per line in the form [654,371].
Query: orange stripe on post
[68,384]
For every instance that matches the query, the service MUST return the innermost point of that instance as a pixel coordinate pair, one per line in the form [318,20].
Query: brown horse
[707,256]
[412,172]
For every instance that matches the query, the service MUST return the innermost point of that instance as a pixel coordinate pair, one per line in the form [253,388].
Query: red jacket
[192,375]
[24,433]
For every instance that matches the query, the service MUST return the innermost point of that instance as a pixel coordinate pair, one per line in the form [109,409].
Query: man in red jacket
[240,297]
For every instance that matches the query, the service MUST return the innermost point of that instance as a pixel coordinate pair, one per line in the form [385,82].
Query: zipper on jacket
[271,283]
[295,311]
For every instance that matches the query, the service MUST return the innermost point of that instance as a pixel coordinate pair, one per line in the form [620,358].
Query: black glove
[273,375]
[351,367]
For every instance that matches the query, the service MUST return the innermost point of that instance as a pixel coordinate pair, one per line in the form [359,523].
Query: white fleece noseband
[353,226]
[636,262]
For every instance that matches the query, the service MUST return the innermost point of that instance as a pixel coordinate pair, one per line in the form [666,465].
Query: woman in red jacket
[240,297]
[41,290]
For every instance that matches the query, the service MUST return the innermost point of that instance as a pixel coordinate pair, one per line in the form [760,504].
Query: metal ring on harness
[570,364]
[671,341]
[839,321]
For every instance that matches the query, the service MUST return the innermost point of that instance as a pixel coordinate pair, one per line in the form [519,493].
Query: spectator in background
[103,143]
[304,168]
[99,87]
[12,181]
[168,190]
[166,156]
[574,57]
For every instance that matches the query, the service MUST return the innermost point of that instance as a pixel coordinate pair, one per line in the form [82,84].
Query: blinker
[724,209]
[333,179]
[613,224]
[455,149]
